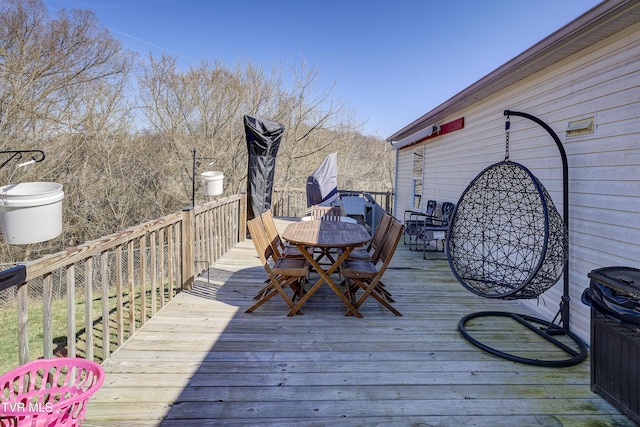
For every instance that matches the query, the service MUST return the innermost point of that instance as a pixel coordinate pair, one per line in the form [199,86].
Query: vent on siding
[581,127]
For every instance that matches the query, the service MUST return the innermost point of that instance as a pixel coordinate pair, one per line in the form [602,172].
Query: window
[416,181]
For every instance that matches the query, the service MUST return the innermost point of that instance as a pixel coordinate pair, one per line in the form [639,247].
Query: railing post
[242,213]
[387,202]
[23,324]
[188,268]
[47,315]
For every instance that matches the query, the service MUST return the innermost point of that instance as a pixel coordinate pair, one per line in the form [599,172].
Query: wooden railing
[87,300]
[293,202]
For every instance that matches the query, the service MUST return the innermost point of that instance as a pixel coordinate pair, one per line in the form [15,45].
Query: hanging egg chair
[508,241]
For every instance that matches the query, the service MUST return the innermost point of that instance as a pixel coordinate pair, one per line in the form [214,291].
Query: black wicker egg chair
[508,241]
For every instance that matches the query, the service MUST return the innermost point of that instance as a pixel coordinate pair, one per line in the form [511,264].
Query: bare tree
[62,88]
[50,68]
[203,109]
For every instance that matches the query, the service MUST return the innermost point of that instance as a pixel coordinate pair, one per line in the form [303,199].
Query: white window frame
[417,178]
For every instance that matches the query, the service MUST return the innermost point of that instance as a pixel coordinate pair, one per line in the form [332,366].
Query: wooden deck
[202,361]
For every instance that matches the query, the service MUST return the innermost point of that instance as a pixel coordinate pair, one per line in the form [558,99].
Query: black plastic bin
[614,298]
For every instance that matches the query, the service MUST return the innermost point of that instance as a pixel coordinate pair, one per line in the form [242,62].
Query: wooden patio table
[325,234]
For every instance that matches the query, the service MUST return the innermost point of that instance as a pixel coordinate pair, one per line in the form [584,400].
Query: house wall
[602,81]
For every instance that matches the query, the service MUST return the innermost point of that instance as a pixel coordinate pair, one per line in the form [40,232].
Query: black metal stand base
[546,330]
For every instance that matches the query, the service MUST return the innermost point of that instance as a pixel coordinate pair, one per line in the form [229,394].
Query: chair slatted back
[326,213]
[261,242]
[379,237]
[390,244]
[272,233]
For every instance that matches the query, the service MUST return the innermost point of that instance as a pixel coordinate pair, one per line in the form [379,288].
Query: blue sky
[391,61]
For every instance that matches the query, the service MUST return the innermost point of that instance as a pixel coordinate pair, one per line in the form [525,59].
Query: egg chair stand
[507,241]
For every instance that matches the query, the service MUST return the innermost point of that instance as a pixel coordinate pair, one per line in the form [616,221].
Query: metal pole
[193,180]
[564,304]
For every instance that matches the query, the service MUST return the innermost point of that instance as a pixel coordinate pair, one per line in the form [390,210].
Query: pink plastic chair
[48,392]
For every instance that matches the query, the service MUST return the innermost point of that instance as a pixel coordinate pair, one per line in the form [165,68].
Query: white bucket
[212,183]
[31,212]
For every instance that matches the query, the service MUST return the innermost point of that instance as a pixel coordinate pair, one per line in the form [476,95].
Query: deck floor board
[202,361]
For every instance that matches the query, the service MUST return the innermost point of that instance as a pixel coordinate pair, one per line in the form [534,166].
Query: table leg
[324,277]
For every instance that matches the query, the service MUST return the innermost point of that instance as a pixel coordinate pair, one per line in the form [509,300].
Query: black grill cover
[263,141]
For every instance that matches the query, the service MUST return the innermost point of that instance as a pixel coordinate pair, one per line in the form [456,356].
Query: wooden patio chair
[372,251]
[284,272]
[367,276]
[280,249]
[325,213]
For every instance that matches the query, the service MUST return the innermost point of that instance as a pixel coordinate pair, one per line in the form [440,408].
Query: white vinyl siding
[403,187]
[603,82]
